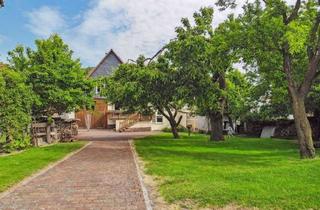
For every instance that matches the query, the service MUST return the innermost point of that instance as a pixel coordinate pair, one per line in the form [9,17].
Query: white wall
[202,123]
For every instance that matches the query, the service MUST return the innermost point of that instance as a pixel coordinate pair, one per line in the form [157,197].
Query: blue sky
[14,20]
[93,27]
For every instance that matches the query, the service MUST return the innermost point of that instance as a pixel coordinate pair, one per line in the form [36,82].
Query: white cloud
[45,21]
[130,27]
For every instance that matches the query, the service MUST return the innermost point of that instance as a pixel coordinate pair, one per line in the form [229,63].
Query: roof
[107,65]
[2,65]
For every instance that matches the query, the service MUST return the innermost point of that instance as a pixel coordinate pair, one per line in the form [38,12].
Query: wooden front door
[100,117]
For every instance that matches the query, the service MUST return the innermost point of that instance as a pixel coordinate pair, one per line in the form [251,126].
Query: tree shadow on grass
[235,151]
[236,144]
[262,159]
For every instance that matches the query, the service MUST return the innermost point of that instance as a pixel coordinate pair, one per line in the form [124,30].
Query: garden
[260,65]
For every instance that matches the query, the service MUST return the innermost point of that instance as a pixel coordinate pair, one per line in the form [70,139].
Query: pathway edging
[42,171]
[146,196]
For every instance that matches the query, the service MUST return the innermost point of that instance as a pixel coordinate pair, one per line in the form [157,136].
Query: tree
[1,3]
[239,92]
[203,56]
[16,100]
[57,79]
[268,97]
[284,41]
[147,87]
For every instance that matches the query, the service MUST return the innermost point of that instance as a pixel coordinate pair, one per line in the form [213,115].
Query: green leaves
[144,87]
[58,81]
[16,100]
[297,35]
[39,82]
[202,56]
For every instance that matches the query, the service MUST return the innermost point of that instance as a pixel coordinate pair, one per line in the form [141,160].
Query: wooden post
[48,132]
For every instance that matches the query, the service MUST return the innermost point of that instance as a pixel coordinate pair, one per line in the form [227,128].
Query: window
[97,90]
[159,118]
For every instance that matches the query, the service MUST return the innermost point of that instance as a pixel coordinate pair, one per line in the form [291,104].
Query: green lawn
[15,168]
[248,172]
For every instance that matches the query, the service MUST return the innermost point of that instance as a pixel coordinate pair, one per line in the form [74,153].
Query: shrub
[180,129]
[18,144]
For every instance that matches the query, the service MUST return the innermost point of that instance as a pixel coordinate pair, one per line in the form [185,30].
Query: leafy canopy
[58,81]
[16,99]
[203,55]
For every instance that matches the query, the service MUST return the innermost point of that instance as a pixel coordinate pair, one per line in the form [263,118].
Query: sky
[93,27]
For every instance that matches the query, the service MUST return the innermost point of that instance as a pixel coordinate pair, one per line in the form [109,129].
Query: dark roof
[3,65]
[107,65]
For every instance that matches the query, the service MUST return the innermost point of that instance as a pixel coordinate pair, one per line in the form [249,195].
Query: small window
[97,90]
[159,118]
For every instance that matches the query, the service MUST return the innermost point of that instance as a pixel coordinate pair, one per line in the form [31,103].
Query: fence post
[48,131]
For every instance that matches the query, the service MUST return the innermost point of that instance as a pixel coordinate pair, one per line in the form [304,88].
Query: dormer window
[97,91]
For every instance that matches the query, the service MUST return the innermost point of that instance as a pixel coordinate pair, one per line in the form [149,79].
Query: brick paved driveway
[102,176]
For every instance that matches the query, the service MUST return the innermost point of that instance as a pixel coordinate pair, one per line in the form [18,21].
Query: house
[101,116]
[108,116]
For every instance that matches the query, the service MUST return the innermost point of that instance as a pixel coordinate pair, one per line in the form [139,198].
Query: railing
[132,119]
[117,115]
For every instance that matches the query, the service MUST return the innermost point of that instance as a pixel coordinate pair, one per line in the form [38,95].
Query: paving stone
[102,176]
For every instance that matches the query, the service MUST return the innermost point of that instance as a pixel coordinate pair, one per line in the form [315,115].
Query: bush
[180,129]
[17,144]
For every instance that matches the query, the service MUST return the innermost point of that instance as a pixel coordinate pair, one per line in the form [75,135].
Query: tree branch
[179,121]
[313,35]
[156,55]
[294,13]
[169,112]
[162,112]
[175,113]
[311,74]
[287,66]
[314,58]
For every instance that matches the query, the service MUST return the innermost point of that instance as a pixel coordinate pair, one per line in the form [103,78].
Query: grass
[248,172]
[16,167]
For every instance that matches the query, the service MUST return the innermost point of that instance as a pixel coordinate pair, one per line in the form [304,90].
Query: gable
[108,64]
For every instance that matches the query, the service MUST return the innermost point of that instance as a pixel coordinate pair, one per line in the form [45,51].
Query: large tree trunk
[216,122]
[298,94]
[216,118]
[303,127]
